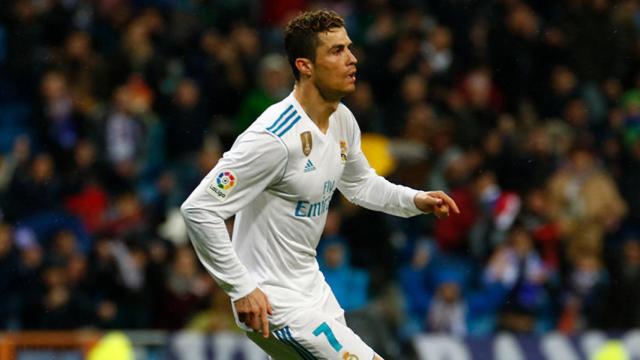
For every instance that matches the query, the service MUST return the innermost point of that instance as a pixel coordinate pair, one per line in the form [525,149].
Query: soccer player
[278,179]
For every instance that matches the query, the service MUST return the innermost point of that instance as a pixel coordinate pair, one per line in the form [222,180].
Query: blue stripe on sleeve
[289,127]
[280,118]
[284,122]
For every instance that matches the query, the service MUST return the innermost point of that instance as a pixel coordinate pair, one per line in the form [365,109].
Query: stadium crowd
[526,111]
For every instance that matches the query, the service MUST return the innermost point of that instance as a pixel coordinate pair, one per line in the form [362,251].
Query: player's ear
[304,66]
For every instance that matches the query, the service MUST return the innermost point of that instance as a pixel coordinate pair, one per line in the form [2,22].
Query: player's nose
[352,58]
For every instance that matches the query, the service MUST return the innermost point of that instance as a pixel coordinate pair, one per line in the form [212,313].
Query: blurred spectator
[518,267]
[54,308]
[15,161]
[218,317]
[413,92]
[406,58]
[533,165]
[186,122]
[545,233]
[594,50]
[631,117]
[453,232]
[514,44]
[125,216]
[349,284]
[86,71]
[138,53]
[438,50]
[498,209]
[9,278]
[367,234]
[448,312]
[132,298]
[379,323]
[186,291]
[460,310]
[585,203]
[587,291]
[420,124]
[34,191]
[417,281]
[106,286]
[248,45]
[84,195]
[564,86]
[474,105]
[363,106]
[224,74]
[29,270]
[625,286]
[85,168]
[63,247]
[60,125]
[122,136]
[274,83]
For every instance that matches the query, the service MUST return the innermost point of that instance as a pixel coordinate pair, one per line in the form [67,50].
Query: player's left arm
[362,186]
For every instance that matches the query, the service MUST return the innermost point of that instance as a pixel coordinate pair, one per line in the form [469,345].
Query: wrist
[418,201]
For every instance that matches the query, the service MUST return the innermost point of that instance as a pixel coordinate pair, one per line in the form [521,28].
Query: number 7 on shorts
[326,330]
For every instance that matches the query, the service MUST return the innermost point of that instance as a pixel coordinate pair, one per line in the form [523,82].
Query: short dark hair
[301,34]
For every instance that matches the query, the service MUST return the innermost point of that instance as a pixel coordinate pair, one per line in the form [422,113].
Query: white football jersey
[278,179]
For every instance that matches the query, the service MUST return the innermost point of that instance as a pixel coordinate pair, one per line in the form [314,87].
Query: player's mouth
[351,76]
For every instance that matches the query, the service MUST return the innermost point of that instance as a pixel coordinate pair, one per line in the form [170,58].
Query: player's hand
[436,202]
[253,310]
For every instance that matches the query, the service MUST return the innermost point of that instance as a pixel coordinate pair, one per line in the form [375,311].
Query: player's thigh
[275,348]
[316,336]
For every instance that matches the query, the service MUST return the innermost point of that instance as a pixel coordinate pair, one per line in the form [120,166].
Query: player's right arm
[255,161]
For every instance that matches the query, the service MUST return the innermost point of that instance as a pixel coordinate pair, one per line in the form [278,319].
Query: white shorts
[312,335]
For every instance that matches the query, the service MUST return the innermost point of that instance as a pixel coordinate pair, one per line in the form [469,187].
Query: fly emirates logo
[313,209]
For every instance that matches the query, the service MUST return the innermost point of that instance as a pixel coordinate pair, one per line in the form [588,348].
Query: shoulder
[278,118]
[283,120]
[346,123]
[272,124]
[344,113]
[257,143]
[346,118]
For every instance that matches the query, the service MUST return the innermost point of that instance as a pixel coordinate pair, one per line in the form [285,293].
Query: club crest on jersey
[348,356]
[222,184]
[343,150]
[307,142]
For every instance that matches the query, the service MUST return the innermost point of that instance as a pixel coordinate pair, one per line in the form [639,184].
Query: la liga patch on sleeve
[222,184]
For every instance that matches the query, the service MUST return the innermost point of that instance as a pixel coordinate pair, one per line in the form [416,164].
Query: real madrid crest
[307,142]
[343,150]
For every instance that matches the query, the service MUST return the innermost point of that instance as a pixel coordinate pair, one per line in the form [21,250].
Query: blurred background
[526,111]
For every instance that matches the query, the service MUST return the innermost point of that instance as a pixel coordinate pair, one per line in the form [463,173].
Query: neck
[315,104]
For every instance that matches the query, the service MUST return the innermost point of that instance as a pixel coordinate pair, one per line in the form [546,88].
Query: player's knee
[377,357]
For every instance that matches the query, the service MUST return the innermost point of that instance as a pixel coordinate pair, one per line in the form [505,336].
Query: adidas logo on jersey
[309,166]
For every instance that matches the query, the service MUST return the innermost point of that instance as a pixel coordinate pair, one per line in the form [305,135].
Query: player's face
[334,71]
